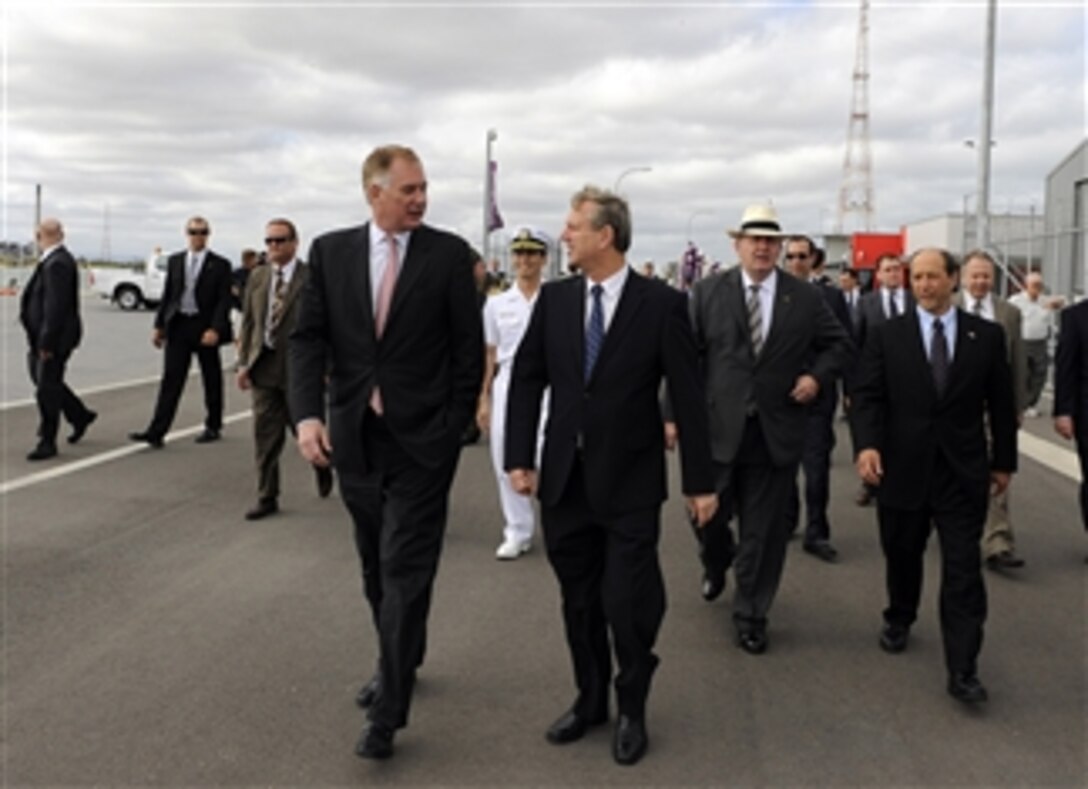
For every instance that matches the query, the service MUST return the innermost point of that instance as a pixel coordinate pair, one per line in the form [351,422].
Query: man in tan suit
[976,297]
[269,313]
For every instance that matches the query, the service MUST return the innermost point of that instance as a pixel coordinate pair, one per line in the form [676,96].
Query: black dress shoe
[264,508]
[150,438]
[966,688]
[42,452]
[1006,560]
[80,428]
[754,642]
[893,638]
[376,742]
[713,586]
[630,740]
[369,692]
[571,726]
[324,481]
[207,436]
[821,549]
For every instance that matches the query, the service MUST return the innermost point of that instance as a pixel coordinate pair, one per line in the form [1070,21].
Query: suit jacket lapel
[733,286]
[358,276]
[783,300]
[415,261]
[964,350]
[630,301]
[916,348]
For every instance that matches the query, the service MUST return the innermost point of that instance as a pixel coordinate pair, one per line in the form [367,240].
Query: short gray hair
[612,211]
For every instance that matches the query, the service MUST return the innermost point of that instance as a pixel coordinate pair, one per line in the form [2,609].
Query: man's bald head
[50,232]
[1033,284]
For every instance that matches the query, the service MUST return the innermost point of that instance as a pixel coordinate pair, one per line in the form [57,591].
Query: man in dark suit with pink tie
[390,315]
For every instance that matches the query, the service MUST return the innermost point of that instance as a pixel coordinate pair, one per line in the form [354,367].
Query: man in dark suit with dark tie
[1071,390]
[602,342]
[269,313]
[928,382]
[193,318]
[888,300]
[49,312]
[769,345]
[390,314]
[805,262]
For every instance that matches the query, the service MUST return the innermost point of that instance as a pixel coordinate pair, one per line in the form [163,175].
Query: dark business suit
[49,312]
[266,365]
[936,464]
[757,431]
[602,473]
[182,334]
[396,469]
[819,440]
[1071,386]
[871,312]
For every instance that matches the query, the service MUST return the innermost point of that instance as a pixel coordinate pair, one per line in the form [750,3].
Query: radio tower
[106,252]
[856,194]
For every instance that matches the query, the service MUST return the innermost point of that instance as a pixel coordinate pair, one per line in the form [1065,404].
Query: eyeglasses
[796,255]
[198,231]
[278,240]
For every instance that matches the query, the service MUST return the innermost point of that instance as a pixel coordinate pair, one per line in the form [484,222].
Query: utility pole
[985,139]
[856,193]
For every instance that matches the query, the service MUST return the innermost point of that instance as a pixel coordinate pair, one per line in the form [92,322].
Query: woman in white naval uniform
[506,316]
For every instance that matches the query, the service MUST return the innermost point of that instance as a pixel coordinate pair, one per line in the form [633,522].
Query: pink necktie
[381,308]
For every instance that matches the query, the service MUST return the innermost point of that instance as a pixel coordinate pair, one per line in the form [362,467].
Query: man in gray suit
[769,344]
[269,313]
[976,297]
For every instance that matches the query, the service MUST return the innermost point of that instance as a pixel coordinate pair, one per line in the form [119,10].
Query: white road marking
[1051,455]
[105,457]
[90,390]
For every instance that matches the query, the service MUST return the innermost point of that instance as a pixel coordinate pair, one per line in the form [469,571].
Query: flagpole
[492,135]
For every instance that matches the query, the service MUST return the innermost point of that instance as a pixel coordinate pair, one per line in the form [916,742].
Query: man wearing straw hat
[769,345]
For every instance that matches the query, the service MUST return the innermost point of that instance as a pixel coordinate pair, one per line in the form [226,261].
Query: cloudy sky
[243,111]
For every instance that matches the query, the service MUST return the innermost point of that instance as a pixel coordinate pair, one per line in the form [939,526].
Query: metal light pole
[492,135]
[982,204]
[627,172]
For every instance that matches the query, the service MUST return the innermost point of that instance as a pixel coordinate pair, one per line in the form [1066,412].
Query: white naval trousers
[517,510]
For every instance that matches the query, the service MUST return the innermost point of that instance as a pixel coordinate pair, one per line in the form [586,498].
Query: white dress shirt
[886,295]
[506,317]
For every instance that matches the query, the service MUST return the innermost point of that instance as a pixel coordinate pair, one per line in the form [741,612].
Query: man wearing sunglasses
[269,313]
[803,260]
[193,318]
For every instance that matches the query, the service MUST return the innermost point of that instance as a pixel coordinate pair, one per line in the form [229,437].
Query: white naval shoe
[512,549]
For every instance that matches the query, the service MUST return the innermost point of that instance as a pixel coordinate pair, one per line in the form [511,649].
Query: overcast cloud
[240,113]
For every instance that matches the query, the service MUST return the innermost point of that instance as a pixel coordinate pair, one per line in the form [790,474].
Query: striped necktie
[275,313]
[755,319]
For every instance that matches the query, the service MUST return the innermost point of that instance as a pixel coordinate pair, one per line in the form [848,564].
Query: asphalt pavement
[153,637]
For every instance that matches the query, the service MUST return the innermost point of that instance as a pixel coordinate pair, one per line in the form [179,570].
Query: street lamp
[695,213]
[627,172]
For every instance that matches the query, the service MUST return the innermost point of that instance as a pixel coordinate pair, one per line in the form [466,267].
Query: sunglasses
[198,231]
[796,256]
[278,240]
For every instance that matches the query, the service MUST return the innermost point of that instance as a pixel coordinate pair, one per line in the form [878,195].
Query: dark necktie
[893,307]
[595,330]
[938,356]
[978,307]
